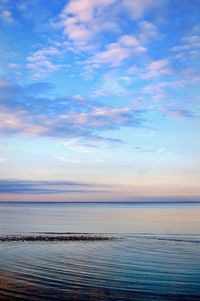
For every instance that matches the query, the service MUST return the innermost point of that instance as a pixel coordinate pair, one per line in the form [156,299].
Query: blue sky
[104,94]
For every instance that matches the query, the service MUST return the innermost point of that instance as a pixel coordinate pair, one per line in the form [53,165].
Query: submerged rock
[32,238]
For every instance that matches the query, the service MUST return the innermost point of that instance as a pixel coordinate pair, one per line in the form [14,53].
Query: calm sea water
[157,255]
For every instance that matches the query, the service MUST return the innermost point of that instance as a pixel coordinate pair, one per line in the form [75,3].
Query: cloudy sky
[99,99]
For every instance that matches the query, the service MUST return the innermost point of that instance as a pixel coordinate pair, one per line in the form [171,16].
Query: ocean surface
[155,256]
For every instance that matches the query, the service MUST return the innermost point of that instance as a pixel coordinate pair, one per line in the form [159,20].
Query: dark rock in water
[32,238]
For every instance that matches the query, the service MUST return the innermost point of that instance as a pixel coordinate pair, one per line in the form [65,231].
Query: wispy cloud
[6,14]
[91,144]
[147,31]
[189,47]
[156,69]
[116,53]
[118,73]
[13,66]
[40,62]
[44,187]
[150,150]
[83,27]
[138,9]
[178,113]
[112,84]
[61,117]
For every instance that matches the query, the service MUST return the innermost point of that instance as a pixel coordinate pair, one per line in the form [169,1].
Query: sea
[155,253]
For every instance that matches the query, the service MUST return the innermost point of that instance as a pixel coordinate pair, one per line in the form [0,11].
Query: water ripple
[127,269]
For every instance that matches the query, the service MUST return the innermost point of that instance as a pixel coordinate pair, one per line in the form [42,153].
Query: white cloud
[91,144]
[189,48]
[111,83]
[6,15]
[82,23]
[189,42]
[156,69]
[113,55]
[13,66]
[40,62]
[157,65]
[99,117]
[79,98]
[82,20]
[139,8]
[116,53]
[129,41]
[147,31]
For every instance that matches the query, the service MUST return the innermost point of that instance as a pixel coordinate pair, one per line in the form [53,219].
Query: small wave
[167,239]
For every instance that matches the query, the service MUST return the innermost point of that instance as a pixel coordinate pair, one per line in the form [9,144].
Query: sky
[99,99]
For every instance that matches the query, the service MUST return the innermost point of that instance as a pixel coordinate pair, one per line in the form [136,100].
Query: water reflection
[100,218]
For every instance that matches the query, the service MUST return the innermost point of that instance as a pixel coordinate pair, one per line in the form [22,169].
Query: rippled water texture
[157,255]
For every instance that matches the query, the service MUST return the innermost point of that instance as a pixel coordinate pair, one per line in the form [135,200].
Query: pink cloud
[156,69]
[40,62]
[137,9]
[82,20]
[116,53]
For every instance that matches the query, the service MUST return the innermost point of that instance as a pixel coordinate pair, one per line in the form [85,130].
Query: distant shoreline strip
[46,238]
